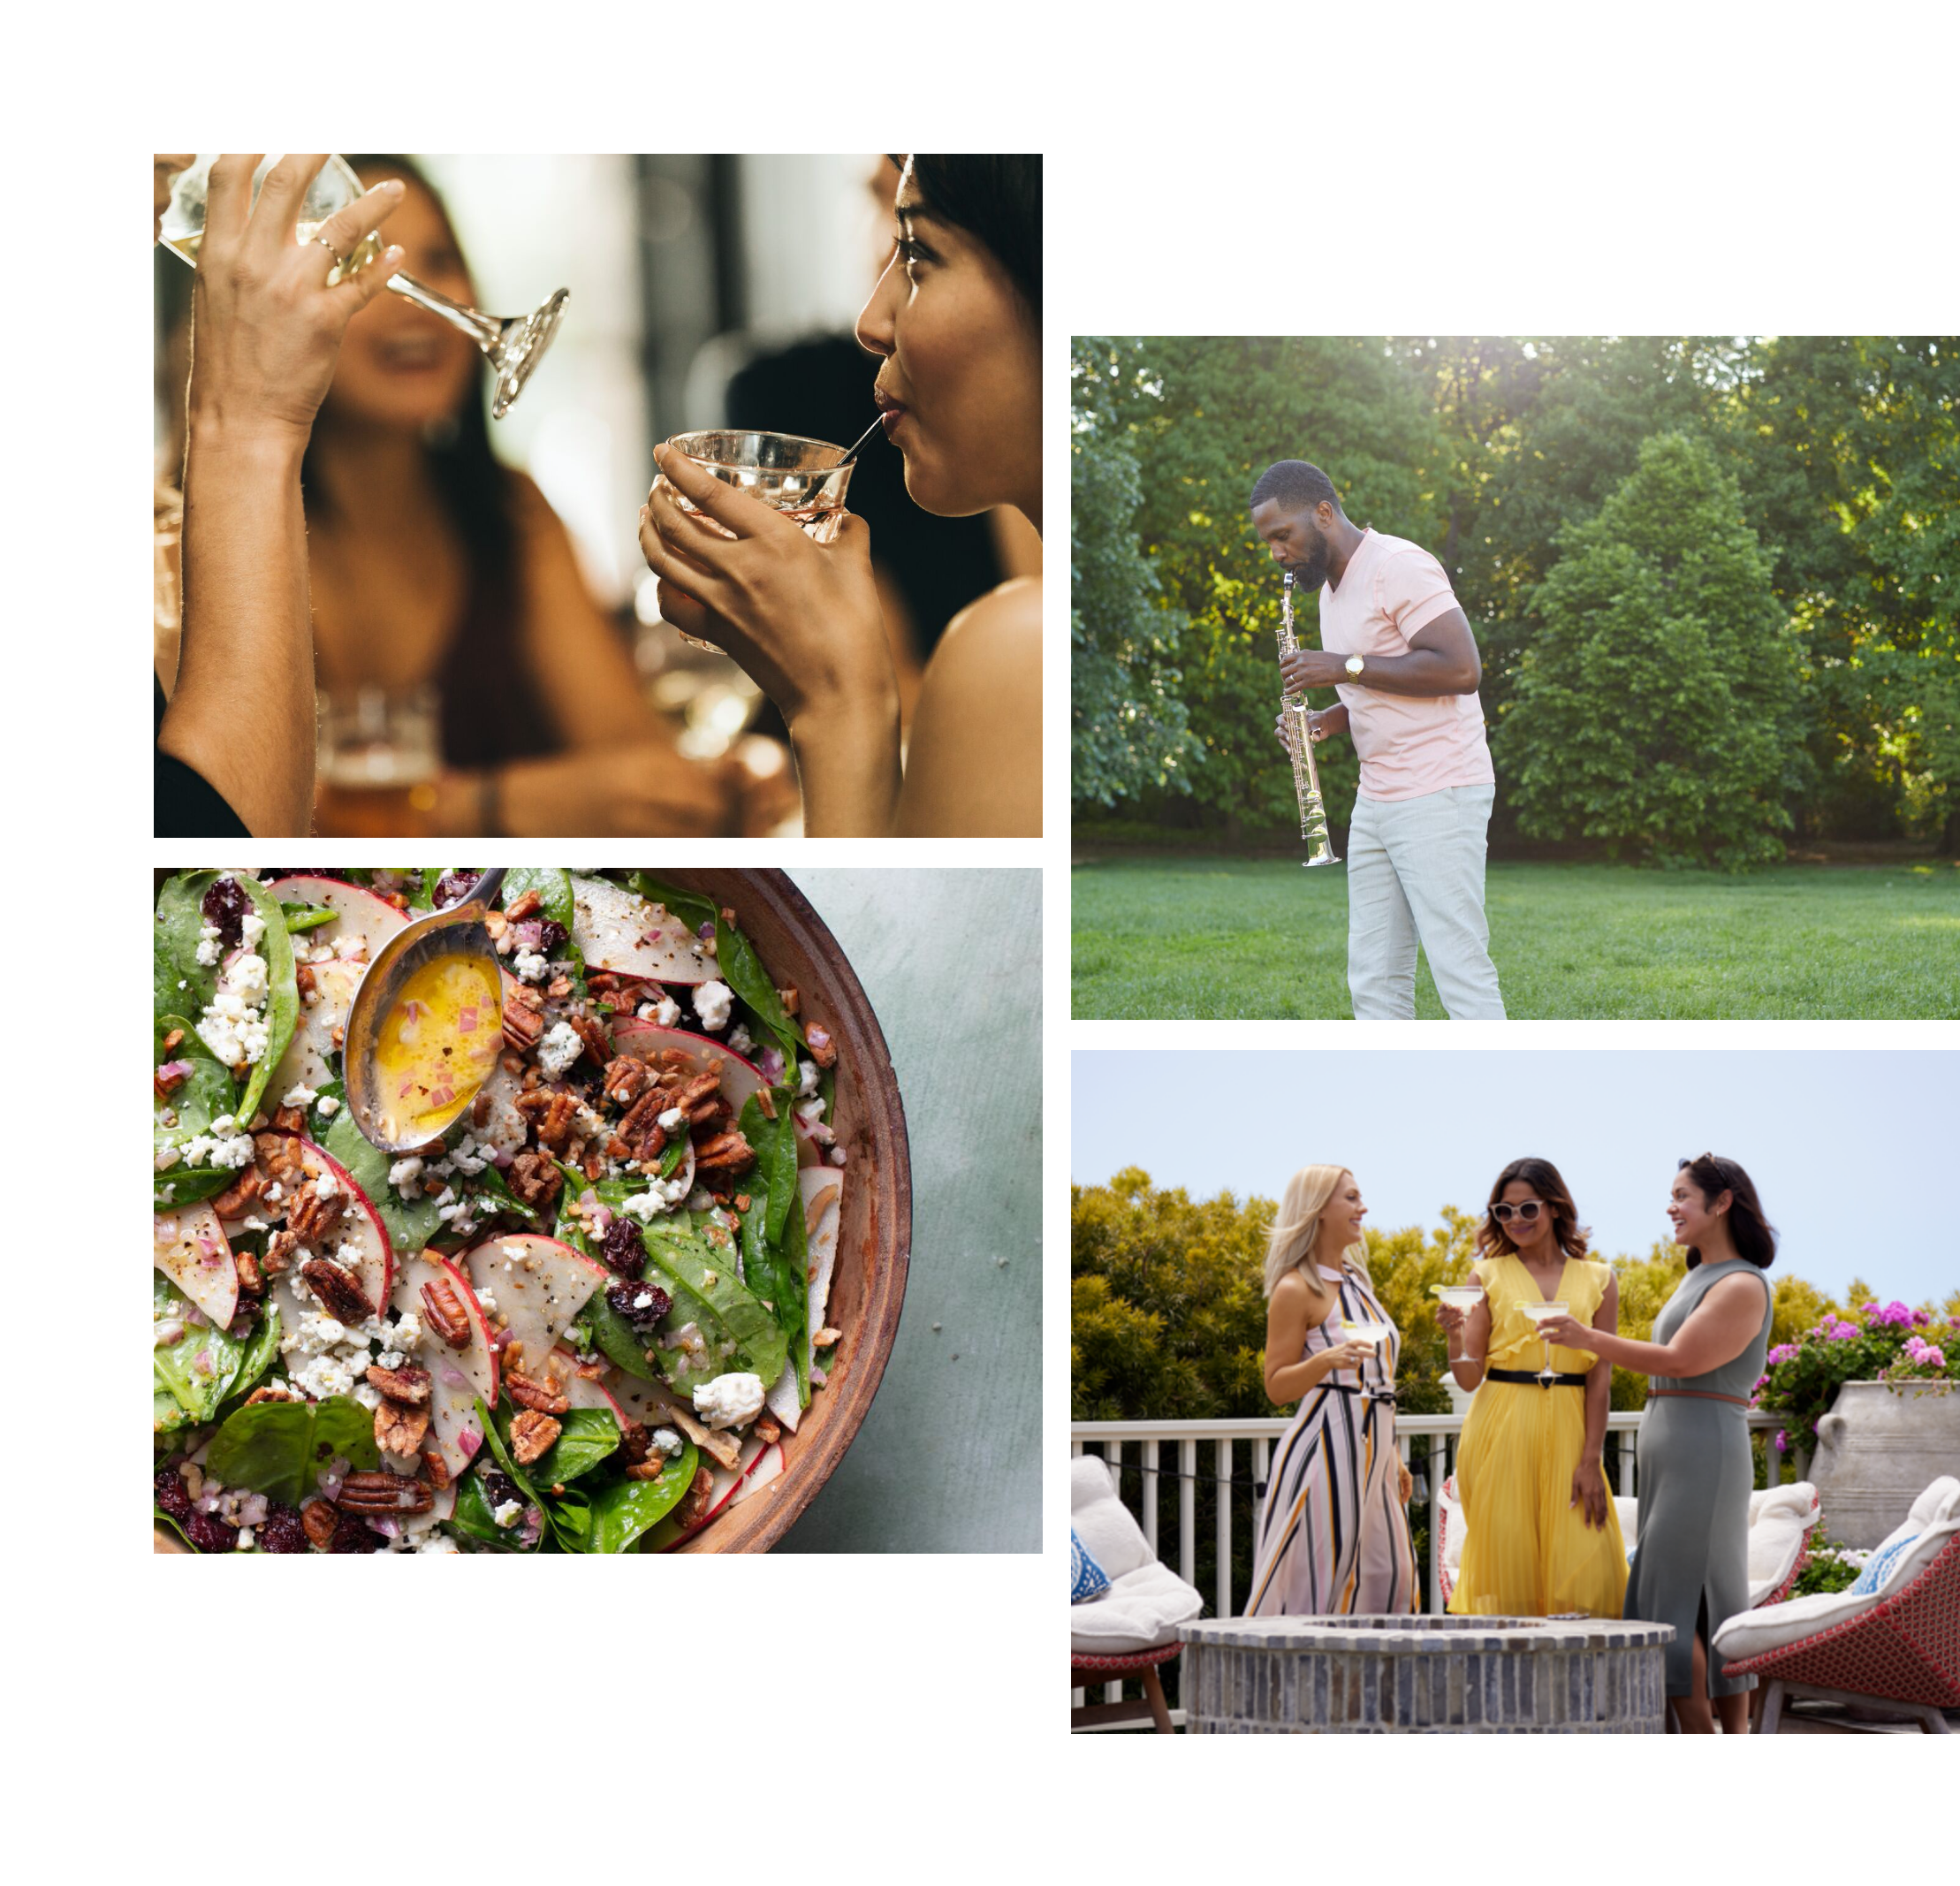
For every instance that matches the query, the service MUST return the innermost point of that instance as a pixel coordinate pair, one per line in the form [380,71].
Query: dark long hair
[998,202]
[1752,1234]
[1542,1177]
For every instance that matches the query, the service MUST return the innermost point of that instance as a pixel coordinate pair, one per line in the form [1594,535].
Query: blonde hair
[1297,1224]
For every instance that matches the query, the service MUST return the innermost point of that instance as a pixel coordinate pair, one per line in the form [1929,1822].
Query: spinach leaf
[493,1188]
[767,1267]
[702,1279]
[554,890]
[493,1437]
[473,1516]
[260,1352]
[570,1513]
[319,1122]
[613,1337]
[305,916]
[280,1447]
[179,982]
[411,1222]
[282,1001]
[170,1415]
[205,1094]
[205,1365]
[626,1509]
[164,1518]
[587,1436]
[742,968]
[671,1156]
[690,906]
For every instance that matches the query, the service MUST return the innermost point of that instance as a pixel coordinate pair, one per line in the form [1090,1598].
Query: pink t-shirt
[1408,745]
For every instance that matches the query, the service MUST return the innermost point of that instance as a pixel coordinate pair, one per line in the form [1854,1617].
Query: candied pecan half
[312,1218]
[174,1040]
[280,1155]
[624,1080]
[250,1283]
[383,1493]
[480,1110]
[790,1000]
[446,1316]
[304,980]
[532,1434]
[529,905]
[599,1044]
[439,1468]
[523,1017]
[635,1440]
[319,1518]
[545,1397]
[280,1250]
[649,1467]
[695,1088]
[768,1431]
[639,1130]
[553,1114]
[244,1189]
[535,1179]
[725,1152]
[406,1384]
[289,1119]
[823,1050]
[269,1393]
[693,1508]
[399,1428]
[336,1290]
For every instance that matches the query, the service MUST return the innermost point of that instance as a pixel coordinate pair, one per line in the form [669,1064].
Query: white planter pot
[1876,1451]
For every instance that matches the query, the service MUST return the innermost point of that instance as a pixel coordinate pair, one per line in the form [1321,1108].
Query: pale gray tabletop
[949,1458]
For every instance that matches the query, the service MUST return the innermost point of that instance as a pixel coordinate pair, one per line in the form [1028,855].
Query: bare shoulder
[973,766]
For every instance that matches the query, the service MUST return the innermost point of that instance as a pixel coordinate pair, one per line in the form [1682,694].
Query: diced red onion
[817,1376]
[196,1317]
[502,1160]
[453,1377]
[467,1441]
[206,1501]
[771,1065]
[170,1069]
[529,933]
[534,1525]
[602,1218]
[201,1362]
[387,1528]
[705,931]
[254,1509]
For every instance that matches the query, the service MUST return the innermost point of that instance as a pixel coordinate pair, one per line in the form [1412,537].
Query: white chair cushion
[1940,1502]
[1146,1601]
[1779,1518]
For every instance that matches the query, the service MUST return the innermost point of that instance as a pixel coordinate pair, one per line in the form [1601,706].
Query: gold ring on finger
[339,261]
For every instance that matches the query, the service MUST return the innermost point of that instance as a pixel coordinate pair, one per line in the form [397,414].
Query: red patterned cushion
[1128,1661]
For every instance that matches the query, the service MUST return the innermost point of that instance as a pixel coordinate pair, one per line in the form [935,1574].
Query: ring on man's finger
[340,261]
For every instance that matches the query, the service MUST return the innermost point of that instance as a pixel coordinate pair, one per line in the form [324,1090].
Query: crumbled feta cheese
[367,1394]
[208,946]
[300,1095]
[253,927]
[729,1401]
[328,1107]
[326,1185]
[231,1151]
[740,1039]
[244,1540]
[559,1048]
[408,1332]
[248,976]
[665,1438]
[835,1155]
[390,1358]
[646,1206]
[666,1011]
[528,966]
[347,948]
[486,1302]
[404,1173]
[670,1120]
[699,1199]
[808,1078]
[809,1112]
[433,1542]
[507,1514]
[712,1000]
[256,1224]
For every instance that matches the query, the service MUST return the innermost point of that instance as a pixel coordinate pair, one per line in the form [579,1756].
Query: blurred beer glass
[379,752]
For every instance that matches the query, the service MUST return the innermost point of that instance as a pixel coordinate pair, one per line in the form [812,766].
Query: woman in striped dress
[1333,1540]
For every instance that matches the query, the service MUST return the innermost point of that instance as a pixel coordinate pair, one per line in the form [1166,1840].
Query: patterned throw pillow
[1880,1566]
[1090,1579]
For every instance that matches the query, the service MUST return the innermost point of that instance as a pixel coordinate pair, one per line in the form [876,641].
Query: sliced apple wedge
[457,1377]
[192,1251]
[361,921]
[308,1056]
[539,1286]
[584,1391]
[617,929]
[760,1460]
[740,1078]
[822,1190]
[360,1226]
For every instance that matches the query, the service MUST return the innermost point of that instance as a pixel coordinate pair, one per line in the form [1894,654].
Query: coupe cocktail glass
[803,478]
[1366,1329]
[513,347]
[1463,1296]
[1541,1313]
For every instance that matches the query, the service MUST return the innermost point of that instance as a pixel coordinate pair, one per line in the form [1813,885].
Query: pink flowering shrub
[1885,1343]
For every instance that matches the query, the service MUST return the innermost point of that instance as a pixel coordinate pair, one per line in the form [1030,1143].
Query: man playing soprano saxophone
[1398,650]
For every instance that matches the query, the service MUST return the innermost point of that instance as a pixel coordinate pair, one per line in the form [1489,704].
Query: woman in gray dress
[1691,1567]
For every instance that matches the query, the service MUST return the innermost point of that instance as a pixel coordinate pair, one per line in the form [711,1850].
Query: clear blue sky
[1854,1151]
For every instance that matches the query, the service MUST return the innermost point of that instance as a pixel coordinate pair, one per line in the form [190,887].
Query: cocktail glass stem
[512,347]
[1547,1372]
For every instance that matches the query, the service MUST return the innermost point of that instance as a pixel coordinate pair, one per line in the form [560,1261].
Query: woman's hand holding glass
[1566,1332]
[801,618]
[266,327]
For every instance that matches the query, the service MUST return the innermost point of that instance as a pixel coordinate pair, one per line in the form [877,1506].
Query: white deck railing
[1431,1461]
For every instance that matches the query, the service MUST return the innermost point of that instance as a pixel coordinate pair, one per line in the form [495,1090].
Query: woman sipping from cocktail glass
[956,318]
[1333,1539]
[1541,1536]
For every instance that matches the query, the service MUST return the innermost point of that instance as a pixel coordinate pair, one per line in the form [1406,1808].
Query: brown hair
[1542,1177]
[1752,1234]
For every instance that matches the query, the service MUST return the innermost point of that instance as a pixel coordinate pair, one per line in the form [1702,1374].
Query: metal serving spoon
[457,930]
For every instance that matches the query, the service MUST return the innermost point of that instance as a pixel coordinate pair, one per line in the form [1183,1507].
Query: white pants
[1415,874]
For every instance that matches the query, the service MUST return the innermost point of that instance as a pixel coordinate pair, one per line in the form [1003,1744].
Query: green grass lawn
[1222,938]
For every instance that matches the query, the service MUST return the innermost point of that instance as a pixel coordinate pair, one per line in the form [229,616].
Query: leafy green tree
[1655,708]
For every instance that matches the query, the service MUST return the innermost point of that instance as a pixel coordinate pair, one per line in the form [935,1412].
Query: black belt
[1555,1382]
[1386,1395]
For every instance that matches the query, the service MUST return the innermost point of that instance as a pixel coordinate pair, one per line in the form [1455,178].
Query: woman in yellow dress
[1541,1536]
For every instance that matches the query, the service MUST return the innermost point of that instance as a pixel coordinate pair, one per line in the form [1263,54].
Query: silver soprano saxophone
[1306,777]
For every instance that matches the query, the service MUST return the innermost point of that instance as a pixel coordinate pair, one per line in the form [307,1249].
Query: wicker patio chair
[1149,1708]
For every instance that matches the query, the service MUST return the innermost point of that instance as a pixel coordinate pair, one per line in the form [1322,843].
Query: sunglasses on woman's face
[1528,1211]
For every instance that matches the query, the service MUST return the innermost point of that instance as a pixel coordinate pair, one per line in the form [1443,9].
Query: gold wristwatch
[1353,665]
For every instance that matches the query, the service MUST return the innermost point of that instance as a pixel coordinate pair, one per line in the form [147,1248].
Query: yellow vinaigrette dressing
[437,1045]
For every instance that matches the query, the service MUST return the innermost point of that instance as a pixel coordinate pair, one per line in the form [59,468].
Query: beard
[1311,572]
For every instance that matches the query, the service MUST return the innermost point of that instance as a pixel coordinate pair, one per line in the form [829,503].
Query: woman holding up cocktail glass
[1333,1540]
[956,318]
[1541,1536]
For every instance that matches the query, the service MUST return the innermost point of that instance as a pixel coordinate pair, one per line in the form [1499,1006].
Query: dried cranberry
[224,905]
[642,1304]
[453,886]
[623,1248]
[550,936]
[281,1531]
[172,1495]
[209,1534]
[355,1534]
[498,1486]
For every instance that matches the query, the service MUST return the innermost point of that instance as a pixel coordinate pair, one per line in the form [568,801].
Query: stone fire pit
[1425,1675]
